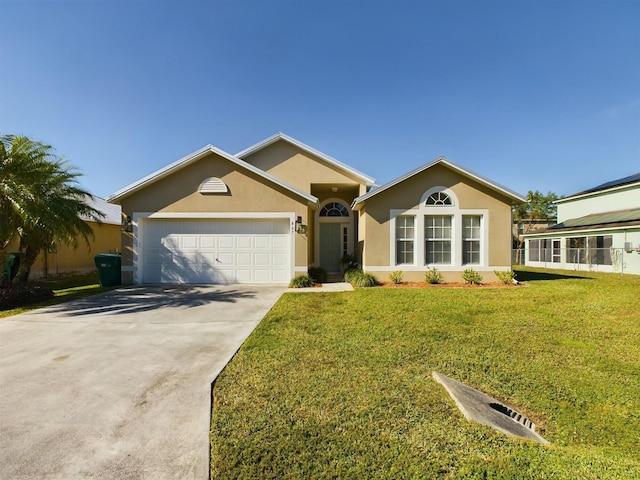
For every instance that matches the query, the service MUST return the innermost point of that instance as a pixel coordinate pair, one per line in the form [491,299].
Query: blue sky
[535,95]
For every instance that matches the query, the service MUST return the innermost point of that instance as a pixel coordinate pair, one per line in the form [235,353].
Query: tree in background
[40,201]
[538,207]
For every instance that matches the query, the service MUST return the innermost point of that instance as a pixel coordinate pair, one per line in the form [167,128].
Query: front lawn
[339,385]
[65,288]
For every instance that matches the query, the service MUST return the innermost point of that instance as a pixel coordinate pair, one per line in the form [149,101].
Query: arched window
[439,199]
[334,209]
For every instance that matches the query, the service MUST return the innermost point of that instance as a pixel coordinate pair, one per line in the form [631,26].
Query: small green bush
[396,277]
[349,262]
[318,274]
[364,280]
[433,276]
[505,276]
[350,274]
[301,281]
[471,276]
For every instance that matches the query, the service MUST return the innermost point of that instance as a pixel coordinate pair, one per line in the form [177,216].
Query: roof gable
[195,156]
[358,202]
[306,148]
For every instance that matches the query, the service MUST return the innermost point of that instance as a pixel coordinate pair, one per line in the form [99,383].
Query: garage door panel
[226,241]
[262,259]
[216,251]
[243,241]
[280,243]
[243,259]
[262,242]
[279,260]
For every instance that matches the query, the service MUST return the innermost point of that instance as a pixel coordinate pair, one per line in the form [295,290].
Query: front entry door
[330,252]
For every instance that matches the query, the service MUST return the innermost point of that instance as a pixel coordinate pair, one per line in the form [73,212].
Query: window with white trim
[438,236]
[405,234]
[439,199]
[442,234]
[334,209]
[471,234]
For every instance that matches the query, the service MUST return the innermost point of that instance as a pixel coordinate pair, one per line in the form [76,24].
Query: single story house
[65,259]
[278,207]
[598,229]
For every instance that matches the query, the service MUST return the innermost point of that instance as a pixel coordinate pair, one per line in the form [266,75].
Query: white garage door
[216,251]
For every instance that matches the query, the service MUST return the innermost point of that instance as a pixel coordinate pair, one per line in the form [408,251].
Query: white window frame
[456,234]
[395,240]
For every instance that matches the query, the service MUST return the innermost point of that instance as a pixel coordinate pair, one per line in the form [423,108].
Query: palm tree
[40,200]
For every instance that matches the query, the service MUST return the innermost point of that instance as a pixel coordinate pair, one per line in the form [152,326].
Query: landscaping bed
[448,285]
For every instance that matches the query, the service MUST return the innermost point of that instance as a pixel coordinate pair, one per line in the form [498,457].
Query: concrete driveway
[118,385]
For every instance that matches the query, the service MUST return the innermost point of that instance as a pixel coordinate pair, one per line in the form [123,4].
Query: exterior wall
[248,192]
[471,196]
[599,202]
[296,167]
[69,260]
[629,258]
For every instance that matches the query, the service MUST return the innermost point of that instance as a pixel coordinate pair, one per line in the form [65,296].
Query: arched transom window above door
[334,209]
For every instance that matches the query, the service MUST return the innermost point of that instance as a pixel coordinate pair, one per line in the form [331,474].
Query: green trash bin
[108,265]
[11,265]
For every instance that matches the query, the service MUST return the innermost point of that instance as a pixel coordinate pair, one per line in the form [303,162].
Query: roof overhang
[194,157]
[513,196]
[617,220]
[367,180]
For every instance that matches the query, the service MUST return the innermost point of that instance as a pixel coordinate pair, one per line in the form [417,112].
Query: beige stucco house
[274,209]
[64,259]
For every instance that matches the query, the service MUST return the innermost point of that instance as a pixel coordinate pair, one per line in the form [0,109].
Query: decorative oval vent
[213,185]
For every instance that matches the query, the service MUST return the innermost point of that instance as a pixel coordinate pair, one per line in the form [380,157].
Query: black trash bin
[108,265]
[11,265]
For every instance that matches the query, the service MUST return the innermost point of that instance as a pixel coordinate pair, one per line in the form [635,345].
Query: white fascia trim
[564,233]
[369,181]
[356,205]
[579,196]
[198,154]
[161,173]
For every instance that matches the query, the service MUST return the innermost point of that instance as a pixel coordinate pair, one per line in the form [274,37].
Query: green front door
[330,252]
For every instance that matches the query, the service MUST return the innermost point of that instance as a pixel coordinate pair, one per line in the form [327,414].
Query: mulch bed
[13,296]
[448,285]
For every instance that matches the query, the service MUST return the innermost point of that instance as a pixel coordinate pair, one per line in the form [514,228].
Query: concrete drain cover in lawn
[483,409]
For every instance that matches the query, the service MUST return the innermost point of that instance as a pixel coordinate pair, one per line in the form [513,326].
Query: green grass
[65,288]
[339,385]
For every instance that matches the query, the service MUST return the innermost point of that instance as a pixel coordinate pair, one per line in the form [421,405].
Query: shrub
[505,277]
[471,276]
[396,277]
[301,281]
[13,296]
[364,280]
[349,262]
[433,276]
[318,274]
[350,274]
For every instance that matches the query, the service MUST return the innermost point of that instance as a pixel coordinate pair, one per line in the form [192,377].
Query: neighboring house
[64,259]
[528,226]
[598,229]
[276,208]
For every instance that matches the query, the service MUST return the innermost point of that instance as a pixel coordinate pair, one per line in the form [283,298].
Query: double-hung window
[437,236]
[471,239]
[405,233]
